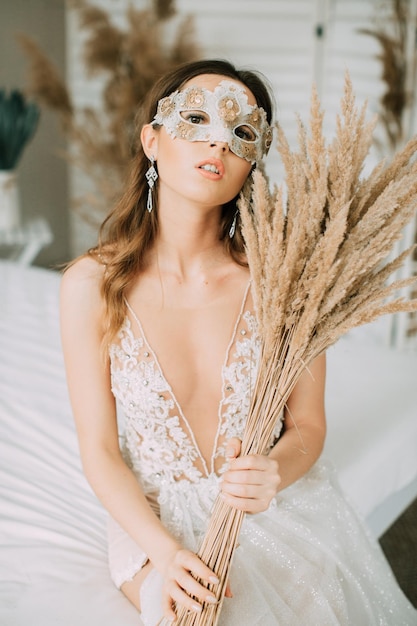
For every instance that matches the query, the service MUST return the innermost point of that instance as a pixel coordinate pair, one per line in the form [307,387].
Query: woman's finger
[191,563]
[248,505]
[182,585]
[233,448]
[193,588]
[182,598]
[228,593]
[253,462]
[167,606]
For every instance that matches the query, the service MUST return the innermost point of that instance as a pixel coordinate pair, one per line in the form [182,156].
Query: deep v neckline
[173,395]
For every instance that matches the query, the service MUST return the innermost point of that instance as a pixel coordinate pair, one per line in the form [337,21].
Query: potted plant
[18,122]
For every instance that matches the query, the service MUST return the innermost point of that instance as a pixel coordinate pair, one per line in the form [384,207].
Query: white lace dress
[307,561]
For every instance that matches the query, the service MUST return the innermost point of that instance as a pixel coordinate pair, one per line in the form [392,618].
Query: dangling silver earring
[151,177]
[233,226]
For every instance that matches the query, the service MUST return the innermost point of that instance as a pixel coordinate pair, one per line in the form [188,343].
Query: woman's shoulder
[82,279]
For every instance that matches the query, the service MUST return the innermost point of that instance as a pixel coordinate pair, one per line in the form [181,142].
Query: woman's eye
[195,117]
[246,133]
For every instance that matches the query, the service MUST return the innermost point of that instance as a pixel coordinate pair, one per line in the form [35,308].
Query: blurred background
[293,42]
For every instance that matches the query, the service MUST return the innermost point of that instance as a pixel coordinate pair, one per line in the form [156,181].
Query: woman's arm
[252,481]
[93,406]
[304,425]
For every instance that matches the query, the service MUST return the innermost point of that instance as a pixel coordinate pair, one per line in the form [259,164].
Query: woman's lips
[211,168]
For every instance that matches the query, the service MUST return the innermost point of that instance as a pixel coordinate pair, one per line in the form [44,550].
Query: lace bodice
[157,441]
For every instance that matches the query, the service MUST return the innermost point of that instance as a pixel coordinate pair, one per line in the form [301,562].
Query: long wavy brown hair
[129,231]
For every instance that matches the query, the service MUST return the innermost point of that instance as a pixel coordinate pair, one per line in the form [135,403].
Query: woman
[159,317]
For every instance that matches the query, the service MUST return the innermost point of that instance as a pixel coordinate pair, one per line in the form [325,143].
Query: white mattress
[53,567]
[53,563]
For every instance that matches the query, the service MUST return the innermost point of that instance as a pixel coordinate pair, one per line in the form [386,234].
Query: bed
[53,565]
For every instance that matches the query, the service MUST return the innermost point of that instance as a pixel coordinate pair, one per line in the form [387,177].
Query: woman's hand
[180,584]
[251,481]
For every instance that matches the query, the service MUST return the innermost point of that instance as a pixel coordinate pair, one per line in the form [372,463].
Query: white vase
[9,201]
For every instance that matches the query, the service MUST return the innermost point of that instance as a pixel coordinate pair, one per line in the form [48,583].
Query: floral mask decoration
[197,114]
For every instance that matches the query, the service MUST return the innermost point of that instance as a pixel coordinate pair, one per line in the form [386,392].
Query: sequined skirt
[307,561]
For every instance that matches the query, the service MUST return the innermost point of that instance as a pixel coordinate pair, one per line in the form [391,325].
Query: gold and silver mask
[197,114]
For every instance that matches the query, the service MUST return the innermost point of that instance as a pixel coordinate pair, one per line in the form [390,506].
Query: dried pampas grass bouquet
[319,256]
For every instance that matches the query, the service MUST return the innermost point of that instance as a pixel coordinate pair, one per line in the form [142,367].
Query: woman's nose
[222,144]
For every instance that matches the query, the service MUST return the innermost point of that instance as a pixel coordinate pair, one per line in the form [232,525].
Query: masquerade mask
[197,114]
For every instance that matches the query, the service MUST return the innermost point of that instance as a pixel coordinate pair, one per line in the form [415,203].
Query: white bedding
[53,565]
